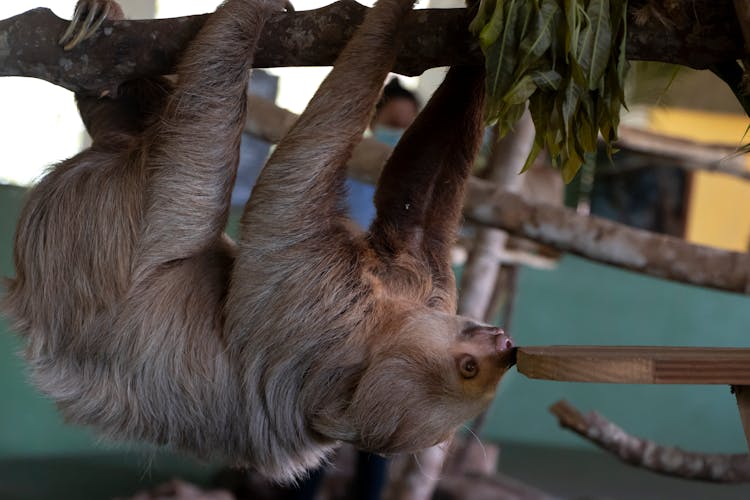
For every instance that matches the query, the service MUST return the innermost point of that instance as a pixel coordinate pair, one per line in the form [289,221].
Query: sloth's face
[433,374]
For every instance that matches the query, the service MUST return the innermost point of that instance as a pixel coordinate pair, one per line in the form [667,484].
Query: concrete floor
[562,472]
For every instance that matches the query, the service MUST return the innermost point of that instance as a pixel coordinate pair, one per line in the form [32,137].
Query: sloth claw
[82,28]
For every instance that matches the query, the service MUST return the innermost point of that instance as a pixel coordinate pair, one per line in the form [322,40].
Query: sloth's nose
[503,342]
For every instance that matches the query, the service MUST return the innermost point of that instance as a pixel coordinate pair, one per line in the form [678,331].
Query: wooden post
[742,393]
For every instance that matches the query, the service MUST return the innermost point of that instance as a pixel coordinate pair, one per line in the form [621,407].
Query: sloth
[142,319]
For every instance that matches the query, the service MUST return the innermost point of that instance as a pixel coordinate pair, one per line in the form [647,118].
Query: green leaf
[534,46]
[573,22]
[484,14]
[547,80]
[599,43]
[571,99]
[501,55]
[521,91]
[567,59]
[494,28]
[536,148]
[512,115]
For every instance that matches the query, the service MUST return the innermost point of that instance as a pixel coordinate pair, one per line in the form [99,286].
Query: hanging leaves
[567,59]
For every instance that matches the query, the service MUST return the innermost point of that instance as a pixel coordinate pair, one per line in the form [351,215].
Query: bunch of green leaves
[567,59]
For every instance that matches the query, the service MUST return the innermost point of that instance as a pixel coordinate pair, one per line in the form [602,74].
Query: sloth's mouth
[508,358]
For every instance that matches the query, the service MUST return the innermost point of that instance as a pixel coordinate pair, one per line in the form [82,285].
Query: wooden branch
[667,460]
[707,35]
[690,154]
[608,242]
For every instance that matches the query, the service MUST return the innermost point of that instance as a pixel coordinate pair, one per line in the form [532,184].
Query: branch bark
[667,460]
[591,237]
[608,242]
[708,33]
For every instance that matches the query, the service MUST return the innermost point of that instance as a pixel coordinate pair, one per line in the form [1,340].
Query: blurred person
[396,110]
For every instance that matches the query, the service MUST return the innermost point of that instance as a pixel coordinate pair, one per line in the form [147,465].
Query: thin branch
[591,237]
[707,35]
[667,460]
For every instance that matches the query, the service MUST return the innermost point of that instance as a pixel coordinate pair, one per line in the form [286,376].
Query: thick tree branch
[715,467]
[704,34]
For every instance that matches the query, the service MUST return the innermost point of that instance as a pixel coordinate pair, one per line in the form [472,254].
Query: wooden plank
[636,365]
[742,393]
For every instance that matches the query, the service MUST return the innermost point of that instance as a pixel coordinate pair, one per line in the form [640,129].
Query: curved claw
[80,28]
[73,24]
[98,22]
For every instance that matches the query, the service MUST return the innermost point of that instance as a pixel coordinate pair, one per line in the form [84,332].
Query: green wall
[578,303]
[585,303]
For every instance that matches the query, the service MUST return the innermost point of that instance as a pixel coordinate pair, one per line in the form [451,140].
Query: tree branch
[707,33]
[667,460]
[608,242]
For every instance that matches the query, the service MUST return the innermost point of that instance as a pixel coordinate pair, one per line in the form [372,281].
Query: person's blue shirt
[360,195]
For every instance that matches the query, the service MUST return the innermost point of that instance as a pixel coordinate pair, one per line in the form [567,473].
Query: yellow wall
[719,208]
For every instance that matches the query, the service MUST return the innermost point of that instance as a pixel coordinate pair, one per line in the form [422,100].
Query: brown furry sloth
[142,319]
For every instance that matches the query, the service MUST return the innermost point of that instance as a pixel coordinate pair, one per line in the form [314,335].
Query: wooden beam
[636,365]
[700,34]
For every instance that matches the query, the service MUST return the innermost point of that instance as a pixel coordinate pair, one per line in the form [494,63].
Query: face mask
[387,135]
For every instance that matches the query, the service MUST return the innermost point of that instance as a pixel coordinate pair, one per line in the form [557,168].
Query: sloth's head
[425,376]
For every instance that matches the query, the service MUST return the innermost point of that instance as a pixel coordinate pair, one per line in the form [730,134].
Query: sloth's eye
[468,367]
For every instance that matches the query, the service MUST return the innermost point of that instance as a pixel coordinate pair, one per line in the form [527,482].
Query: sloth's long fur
[143,320]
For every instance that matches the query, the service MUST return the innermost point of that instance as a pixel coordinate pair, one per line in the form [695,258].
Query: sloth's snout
[503,342]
